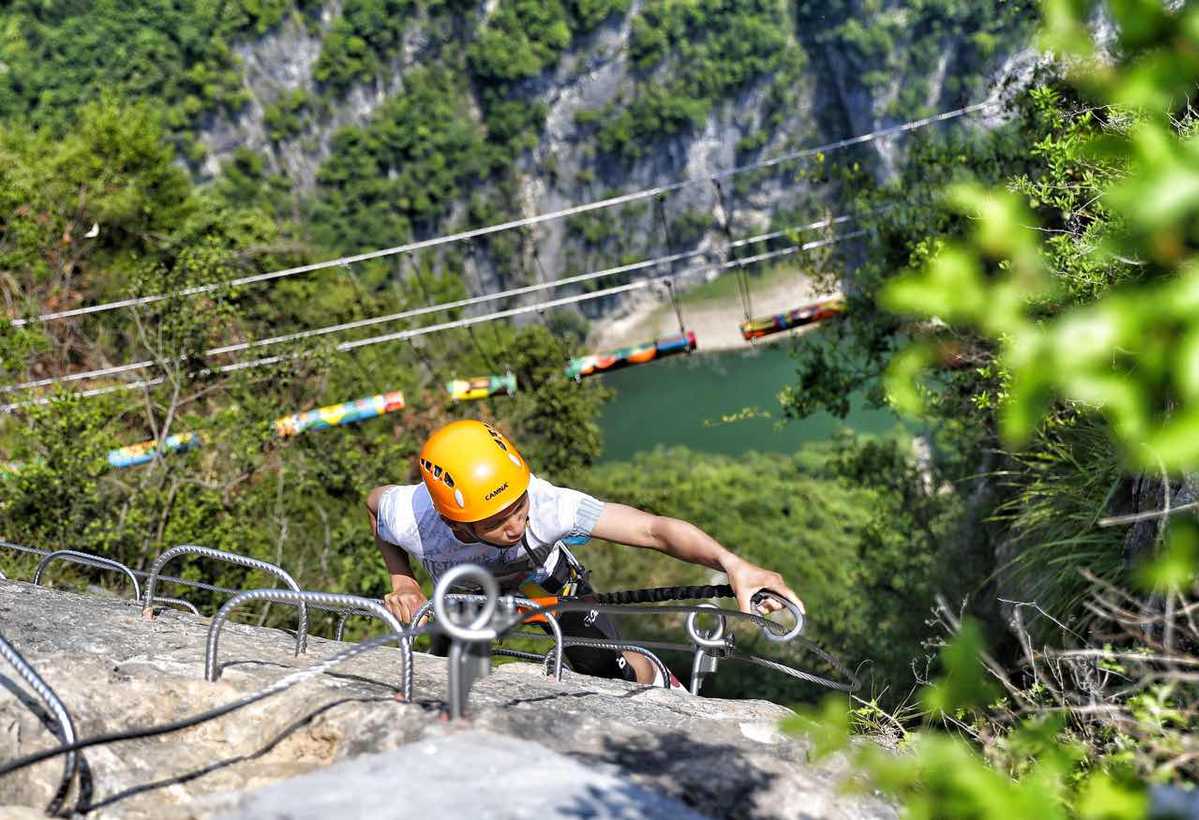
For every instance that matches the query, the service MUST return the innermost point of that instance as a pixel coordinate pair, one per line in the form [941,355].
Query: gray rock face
[479,775]
[526,733]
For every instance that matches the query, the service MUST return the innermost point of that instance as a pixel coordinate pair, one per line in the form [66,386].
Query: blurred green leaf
[963,683]
[1176,566]
[901,381]
[1103,797]
[826,725]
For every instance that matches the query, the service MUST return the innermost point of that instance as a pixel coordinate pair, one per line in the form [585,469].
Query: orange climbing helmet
[472,471]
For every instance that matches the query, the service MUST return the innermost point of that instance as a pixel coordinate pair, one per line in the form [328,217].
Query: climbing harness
[470,650]
[808,314]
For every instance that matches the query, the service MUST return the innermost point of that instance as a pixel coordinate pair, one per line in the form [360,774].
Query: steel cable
[412,333]
[622,199]
[8,767]
[420,311]
[66,728]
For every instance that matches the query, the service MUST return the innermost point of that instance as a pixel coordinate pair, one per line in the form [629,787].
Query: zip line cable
[623,199]
[824,223]
[407,314]
[458,323]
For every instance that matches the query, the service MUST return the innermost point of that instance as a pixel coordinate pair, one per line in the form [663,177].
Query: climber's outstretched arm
[687,542]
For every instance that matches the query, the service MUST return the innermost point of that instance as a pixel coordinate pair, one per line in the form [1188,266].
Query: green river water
[680,401]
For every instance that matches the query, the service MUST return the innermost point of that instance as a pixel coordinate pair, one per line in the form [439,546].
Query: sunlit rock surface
[345,747]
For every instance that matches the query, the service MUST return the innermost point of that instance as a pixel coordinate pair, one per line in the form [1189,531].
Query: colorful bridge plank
[333,415]
[481,387]
[144,452]
[628,356]
[806,315]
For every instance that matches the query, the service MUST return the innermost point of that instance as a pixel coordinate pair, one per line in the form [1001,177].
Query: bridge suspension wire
[114,370]
[457,323]
[622,199]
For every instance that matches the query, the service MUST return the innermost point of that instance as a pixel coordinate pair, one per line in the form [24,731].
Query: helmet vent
[437,472]
[496,437]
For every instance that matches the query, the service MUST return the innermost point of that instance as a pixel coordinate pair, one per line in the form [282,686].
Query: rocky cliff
[342,745]
[833,70]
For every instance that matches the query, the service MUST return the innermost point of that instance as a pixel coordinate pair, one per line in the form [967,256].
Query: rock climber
[478,502]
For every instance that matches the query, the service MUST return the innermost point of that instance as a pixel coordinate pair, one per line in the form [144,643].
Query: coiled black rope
[648,596]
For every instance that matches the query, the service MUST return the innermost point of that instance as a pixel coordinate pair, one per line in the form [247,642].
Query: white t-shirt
[557,517]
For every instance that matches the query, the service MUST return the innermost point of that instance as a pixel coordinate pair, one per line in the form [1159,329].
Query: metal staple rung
[240,560]
[66,728]
[345,614]
[619,646]
[179,602]
[300,598]
[86,559]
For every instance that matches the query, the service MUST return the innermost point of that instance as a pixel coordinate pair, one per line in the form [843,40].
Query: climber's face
[505,528]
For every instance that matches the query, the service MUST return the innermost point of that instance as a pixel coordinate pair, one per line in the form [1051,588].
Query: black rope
[730,252]
[732,654]
[300,676]
[678,309]
[647,596]
[660,208]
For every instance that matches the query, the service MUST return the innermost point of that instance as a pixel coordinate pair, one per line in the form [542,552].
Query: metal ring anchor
[66,728]
[300,598]
[232,558]
[474,631]
[790,606]
[86,559]
[713,639]
[704,663]
[555,627]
